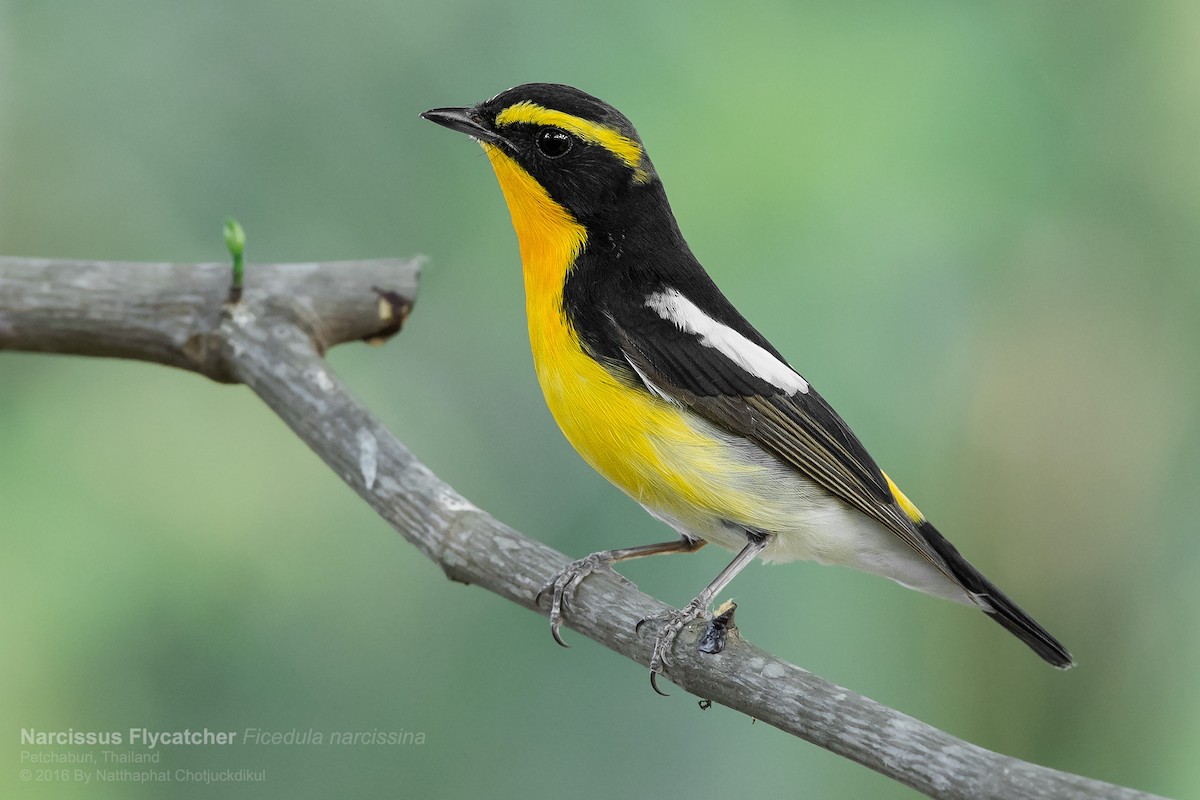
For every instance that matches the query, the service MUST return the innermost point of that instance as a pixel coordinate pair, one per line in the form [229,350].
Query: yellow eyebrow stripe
[619,145]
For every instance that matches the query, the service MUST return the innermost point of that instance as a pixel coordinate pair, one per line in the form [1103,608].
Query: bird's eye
[552,143]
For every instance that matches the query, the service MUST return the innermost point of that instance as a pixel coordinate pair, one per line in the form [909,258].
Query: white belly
[806,522]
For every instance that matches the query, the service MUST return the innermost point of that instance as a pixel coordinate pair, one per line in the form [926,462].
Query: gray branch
[273,342]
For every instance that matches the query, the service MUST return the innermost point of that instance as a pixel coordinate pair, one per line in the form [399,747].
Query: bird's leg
[567,580]
[673,621]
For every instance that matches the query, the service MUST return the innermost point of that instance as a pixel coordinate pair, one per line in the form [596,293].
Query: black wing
[799,427]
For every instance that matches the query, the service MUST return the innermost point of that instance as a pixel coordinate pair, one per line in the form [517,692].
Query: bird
[666,390]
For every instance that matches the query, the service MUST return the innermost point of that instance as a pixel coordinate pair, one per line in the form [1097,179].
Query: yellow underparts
[611,140]
[649,448]
[906,505]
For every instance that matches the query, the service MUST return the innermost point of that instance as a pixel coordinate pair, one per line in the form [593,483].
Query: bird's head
[583,153]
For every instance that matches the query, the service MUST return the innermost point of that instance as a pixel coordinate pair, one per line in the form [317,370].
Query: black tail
[1002,609]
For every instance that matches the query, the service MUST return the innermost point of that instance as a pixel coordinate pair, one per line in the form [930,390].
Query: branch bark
[273,342]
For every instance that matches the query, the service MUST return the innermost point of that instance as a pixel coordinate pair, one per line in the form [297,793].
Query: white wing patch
[671,305]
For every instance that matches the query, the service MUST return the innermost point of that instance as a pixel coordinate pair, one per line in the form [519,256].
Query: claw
[673,622]
[564,583]
[554,625]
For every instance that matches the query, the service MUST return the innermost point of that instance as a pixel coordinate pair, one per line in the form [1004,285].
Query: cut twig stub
[394,309]
[719,628]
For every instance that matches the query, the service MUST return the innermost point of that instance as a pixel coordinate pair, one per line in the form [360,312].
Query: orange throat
[549,237]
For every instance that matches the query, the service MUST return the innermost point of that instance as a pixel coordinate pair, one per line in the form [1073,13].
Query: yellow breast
[651,449]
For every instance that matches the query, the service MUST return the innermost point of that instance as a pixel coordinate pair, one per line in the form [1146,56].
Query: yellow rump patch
[611,140]
[911,510]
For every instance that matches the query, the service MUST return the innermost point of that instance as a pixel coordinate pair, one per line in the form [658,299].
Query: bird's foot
[671,623]
[564,583]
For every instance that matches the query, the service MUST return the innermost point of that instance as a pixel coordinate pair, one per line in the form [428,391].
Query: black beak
[464,120]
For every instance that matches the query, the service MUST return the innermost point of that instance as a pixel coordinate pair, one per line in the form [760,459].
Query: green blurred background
[974,227]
